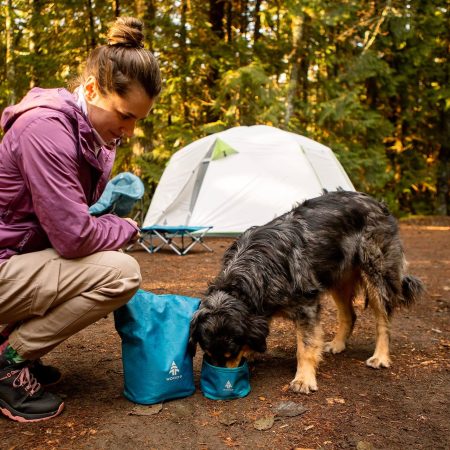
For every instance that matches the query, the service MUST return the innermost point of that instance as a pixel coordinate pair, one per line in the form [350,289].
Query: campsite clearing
[406,406]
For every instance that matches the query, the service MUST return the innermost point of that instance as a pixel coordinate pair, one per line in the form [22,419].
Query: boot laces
[26,380]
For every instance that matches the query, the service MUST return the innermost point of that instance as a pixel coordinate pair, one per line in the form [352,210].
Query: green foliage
[247,97]
[369,79]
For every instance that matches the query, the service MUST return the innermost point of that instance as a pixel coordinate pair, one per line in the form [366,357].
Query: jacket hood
[64,102]
[58,99]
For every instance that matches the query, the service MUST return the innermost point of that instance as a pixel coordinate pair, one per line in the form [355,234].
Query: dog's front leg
[309,353]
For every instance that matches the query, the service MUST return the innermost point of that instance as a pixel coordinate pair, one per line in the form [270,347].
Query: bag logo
[228,386]
[174,370]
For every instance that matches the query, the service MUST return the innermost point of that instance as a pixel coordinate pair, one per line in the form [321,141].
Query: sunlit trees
[369,79]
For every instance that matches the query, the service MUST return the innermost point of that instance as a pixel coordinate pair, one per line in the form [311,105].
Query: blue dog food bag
[155,332]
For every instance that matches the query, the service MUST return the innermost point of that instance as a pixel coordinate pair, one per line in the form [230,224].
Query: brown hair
[124,61]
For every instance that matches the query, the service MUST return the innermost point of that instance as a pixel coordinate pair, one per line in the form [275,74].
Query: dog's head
[226,331]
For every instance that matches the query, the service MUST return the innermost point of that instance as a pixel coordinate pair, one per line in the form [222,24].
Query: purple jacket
[49,176]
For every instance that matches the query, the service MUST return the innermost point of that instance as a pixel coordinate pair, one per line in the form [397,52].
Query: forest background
[370,79]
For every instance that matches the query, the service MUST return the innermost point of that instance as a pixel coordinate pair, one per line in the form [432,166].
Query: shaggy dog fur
[342,243]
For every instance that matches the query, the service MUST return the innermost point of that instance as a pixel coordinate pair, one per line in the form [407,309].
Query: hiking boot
[22,397]
[45,375]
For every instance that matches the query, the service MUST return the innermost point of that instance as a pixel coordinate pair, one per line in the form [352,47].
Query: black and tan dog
[344,243]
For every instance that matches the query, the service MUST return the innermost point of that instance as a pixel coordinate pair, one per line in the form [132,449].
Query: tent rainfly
[241,177]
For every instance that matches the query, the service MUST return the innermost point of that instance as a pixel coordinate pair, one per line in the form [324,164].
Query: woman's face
[112,116]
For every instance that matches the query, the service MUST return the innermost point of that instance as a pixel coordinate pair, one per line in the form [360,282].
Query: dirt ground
[404,407]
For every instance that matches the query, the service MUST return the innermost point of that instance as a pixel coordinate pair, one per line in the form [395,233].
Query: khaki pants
[52,298]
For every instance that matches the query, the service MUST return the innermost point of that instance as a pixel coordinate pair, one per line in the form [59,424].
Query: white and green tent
[242,177]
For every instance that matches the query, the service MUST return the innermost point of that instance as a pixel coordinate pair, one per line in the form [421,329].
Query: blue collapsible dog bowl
[223,383]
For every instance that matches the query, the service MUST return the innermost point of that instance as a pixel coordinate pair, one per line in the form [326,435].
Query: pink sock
[3,346]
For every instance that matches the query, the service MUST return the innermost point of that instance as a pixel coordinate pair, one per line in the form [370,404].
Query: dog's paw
[334,347]
[378,362]
[304,386]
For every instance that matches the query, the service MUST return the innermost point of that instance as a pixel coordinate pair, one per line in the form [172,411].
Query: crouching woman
[59,266]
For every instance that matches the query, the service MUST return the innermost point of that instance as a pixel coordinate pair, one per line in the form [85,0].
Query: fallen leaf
[265,423]
[230,443]
[146,410]
[332,401]
[289,409]
[363,445]
[227,419]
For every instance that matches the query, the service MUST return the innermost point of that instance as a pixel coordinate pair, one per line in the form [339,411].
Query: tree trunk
[146,11]
[303,75]
[10,54]
[116,6]
[229,21]
[35,43]
[243,19]
[92,40]
[276,30]
[184,60]
[257,15]
[216,18]
[295,58]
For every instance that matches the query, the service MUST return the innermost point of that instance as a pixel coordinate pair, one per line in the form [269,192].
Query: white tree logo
[228,385]
[173,369]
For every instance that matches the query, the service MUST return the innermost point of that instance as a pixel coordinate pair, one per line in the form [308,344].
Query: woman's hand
[137,235]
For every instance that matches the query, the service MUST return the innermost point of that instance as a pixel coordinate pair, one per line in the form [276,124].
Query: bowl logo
[228,386]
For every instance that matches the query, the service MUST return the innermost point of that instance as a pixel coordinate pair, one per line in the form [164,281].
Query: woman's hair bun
[126,32]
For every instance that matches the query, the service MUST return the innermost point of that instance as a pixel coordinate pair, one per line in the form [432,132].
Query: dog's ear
[197,318]
[192,344]
[258,330]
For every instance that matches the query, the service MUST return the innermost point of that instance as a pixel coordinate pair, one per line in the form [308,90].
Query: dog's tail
[412,290]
